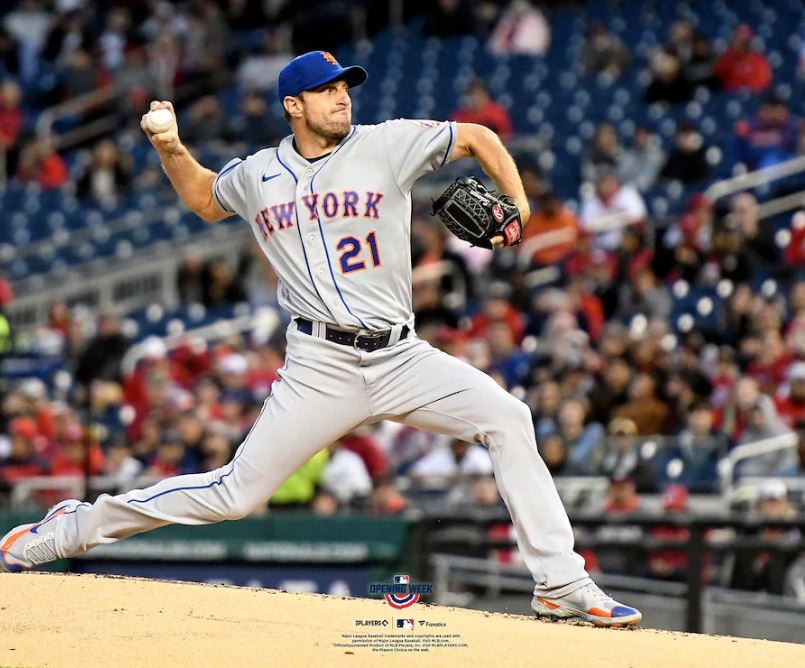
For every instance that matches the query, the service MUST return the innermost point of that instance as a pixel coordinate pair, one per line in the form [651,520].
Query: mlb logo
[405,624]
[401,579]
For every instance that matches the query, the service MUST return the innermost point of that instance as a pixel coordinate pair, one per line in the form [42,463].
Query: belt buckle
[370,335]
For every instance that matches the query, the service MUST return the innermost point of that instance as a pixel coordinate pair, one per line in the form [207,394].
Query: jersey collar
[290,156]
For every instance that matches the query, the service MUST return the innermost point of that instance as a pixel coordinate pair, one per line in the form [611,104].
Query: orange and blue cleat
[29,545]
[587,603]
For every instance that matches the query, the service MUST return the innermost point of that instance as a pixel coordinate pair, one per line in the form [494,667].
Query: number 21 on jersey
[351,253]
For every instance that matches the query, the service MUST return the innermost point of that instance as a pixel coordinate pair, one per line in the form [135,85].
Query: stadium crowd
[647,349]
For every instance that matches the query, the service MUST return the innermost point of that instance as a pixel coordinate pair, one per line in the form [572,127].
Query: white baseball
[159,120]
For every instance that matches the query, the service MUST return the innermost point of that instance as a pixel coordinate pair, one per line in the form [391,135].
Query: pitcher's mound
[85,621]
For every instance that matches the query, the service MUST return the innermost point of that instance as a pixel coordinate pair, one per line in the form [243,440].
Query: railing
[741,453]
[30,492]
[265,319]
[119,285]
[759,177]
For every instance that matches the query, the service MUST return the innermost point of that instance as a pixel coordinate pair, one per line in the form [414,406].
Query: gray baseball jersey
[337,230]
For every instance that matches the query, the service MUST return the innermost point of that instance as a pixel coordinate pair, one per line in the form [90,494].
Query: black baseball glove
[477,215]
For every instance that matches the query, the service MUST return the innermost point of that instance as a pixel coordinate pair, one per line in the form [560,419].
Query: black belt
[368,342]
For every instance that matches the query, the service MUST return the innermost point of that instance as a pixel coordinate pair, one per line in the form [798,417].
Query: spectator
[116,39]
[220,287]
[605,152]
[741,67]
[609,208]
[680,40]
[300,488]
[759,239]
[448,18]
[729,257]
[9,54]
[644,408]
[107,177]
[687,162]
[203,46]
[507,359]
[763,423]
[668,83]
[22,460]
[551,232]
[386,500]
[144,449]
[254,125]
[770,139]
[191,280]
[554,453]
[454,461]
[603,53]
[366,446]
[121,466]
[546,410]
[522,29]
[70,32]
[583,443]
[482,110]
[70,458]
[11,126]
[168,458]
[700,68]
[80,76]
[163,55]
[103,354]
[641,163]
[753,570]
[259,72]
[324,504]
[611,390]
[39,163]
[692,458]
[345,475]
[205,122]
[28,24]
[790,400]
[495,307]
[669,564]
[622,496]
[644,294]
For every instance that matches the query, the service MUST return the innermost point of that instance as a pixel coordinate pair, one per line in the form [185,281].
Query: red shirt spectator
[6,293]
[791,404]
[22,460]
[368,449]
[39,162]
[551,231]
[69,458]
[494,310]
[740,67]
[484,111]
[11,119]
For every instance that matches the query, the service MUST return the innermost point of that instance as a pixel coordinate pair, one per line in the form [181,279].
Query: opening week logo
[401,593]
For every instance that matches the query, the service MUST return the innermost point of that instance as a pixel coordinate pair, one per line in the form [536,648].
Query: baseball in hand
[159,120]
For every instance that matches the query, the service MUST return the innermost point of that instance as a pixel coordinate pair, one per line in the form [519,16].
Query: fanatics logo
[329,57]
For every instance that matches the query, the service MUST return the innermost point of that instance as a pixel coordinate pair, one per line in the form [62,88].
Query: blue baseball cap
[313,69]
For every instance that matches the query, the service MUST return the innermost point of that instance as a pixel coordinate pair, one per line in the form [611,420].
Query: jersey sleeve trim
[450,125]
[223,172]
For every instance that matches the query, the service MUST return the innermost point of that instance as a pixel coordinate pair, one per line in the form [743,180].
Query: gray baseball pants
[326,390]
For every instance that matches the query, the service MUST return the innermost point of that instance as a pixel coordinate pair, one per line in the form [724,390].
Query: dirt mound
[86,621]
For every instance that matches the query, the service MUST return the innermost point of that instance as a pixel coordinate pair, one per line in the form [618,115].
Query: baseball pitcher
[331,209]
